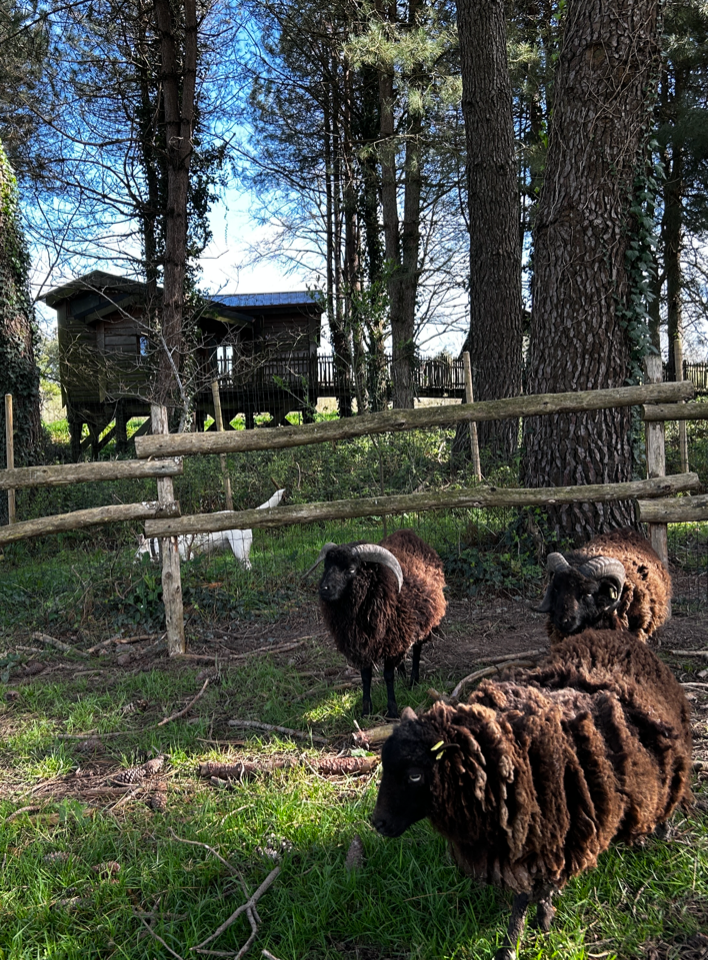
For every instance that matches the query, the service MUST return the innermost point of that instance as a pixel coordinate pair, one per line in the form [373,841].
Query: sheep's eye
[415,777]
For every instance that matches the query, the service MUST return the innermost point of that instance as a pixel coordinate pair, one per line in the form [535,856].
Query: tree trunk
[176,26]
[19,375]
[402,241]
[495,251]
[608,65]
[671,234]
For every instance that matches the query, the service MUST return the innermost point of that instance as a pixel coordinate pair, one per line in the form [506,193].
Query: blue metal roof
[244,301]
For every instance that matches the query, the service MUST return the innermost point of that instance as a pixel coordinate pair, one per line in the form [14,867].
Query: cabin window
[225,360]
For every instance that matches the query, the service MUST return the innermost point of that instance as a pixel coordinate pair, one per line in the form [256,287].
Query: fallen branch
[271,648]
[327,767]
[58,644]
[364,738]
[703,686]
[249,908]
[198,843]
[158,938]
[504,664]
[272,728]
[181,713]
[22,810]
[689,653]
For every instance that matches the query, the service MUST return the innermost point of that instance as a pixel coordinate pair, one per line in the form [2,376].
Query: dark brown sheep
[534,777]
[378,601]
[616,580]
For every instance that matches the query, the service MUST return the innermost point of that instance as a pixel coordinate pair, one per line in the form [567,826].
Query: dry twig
[501,664]
[181,713]
[249,908]
[21,811]
[58,644]
[271,728]
[158,938]
[198,843]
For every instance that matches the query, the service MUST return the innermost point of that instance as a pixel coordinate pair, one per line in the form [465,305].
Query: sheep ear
[407,714]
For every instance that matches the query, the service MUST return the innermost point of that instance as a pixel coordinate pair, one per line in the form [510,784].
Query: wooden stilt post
[10,455]
[171,575]
[220,426]
[469,398]
[683,441]
[656,461]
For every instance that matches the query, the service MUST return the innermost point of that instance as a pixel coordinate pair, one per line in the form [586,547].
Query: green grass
[407,901]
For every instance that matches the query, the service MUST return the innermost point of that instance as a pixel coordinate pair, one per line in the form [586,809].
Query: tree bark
[608,64]
[178,52]
[495,251]
[19,374]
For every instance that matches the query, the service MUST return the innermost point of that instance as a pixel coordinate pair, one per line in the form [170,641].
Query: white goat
[239,541]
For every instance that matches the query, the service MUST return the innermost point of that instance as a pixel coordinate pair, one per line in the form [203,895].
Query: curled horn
[323,553]
[600,568]
[554,562]
[373,553]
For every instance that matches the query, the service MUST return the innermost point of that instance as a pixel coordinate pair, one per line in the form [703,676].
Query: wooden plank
[61,522]
[65,473]
[656,460]
[675,411]
[412,502]
[10,456]
[469,398]
[683,439]
[171,574]
[396,421]
[677,510]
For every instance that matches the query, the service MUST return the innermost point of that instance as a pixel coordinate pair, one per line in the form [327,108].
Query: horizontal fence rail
[675,411]
[78,519]
[65,473]
[680,510]
[397,421]
[412,502]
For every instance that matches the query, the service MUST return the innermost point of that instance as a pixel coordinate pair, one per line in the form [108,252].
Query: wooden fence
[662,401]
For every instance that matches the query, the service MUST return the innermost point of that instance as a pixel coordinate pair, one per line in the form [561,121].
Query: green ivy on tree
[19,374]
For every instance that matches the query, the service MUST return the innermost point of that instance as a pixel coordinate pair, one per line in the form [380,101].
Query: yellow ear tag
[439,755]
[613,593]
[437,746]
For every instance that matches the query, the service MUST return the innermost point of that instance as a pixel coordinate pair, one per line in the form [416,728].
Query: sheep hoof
[366,708]
[506,953]
[392,712]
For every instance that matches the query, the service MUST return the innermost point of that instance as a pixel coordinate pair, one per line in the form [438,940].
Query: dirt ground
[474,634]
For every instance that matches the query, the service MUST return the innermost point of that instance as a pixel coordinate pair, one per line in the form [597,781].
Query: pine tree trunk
[495,251]
[176,24]
[608,66]
[18,370]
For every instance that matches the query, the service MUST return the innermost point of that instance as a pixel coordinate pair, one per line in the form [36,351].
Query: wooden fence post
[469,398]
[656,459]
[171,576]
[683,441]
[222,456]
[9,456]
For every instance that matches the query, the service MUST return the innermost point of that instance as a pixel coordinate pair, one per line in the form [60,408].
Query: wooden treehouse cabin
[261,347]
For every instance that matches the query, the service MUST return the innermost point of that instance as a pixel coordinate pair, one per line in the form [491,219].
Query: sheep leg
[545,912]
[415,665]
[389,673]
[515,928]
[366,686]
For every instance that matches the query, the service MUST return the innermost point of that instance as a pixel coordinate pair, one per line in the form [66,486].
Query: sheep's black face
[340,568]
[577,602]
[404,795]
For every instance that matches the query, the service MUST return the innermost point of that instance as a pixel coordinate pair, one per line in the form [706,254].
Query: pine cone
[157,800]
[143,772]
[355,854]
